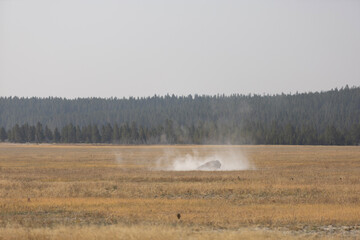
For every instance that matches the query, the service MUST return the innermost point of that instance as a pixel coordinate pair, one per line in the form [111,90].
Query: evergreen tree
[134,134]
[142,135]
[39,133]
[31,134]
[106,133]
[57,136]
[289,135]
[125,133]
[78,135]
[333,136]
[116,134]
[9,135]
[169,131]
[86,133]
[71,133]
[48,134]
[3,134]
[65,134]
[355,134]
[95,135]
[25,129]
[17,134]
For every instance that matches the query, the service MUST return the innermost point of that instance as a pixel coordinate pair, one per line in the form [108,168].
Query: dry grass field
[120,192]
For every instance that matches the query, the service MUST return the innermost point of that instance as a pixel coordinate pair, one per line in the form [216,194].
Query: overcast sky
[118,48]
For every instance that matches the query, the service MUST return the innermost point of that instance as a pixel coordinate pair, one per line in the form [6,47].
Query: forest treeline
[170,134]
[330,117]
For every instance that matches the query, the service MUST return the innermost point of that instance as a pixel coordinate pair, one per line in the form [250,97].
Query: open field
[118,192]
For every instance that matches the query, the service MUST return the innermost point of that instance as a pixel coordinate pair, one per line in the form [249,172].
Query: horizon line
[185,96]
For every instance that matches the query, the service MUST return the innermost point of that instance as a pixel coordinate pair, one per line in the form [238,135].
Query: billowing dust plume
[230,161]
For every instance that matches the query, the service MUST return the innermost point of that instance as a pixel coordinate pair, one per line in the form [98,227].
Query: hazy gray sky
[73,48]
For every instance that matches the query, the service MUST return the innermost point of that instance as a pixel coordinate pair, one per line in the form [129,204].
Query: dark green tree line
[330,117]
[337,107]
[168,133]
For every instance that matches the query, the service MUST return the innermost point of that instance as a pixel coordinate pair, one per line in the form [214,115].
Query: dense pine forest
[320,118]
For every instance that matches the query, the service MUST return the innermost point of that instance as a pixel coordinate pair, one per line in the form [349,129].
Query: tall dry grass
[47,191]
[151,232]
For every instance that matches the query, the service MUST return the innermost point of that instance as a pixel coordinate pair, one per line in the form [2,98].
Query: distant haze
[140,48]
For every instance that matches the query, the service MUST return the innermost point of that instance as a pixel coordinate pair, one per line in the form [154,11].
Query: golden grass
[150,232]
[98,191]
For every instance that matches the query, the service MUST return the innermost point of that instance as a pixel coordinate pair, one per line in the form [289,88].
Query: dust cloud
[230,161]
[183,159]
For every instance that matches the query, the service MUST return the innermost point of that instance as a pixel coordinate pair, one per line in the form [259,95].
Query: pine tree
[78,135]
[106,133]
[95,135]
[142,135]
[289,134]
[39,133]
[31,134]
[116,134]
[169,132]
[17,134]
[333,136]
[86,133]
[71,132]
[125,133]
[3,134]
[57,136]
[9,135]
[25,129]
[65,134]
[48,134]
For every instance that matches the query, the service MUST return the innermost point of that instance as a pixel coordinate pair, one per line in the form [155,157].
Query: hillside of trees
[326,118]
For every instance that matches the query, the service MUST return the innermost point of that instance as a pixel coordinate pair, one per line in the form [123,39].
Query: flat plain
[123,192]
